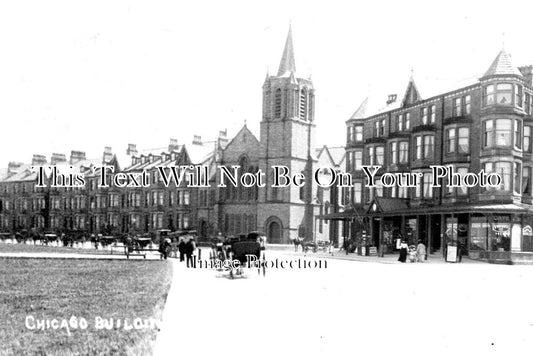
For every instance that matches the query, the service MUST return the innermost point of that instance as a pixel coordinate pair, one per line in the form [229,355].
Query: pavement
[374,308]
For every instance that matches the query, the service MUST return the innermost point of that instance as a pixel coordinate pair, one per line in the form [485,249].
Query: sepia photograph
[266,178]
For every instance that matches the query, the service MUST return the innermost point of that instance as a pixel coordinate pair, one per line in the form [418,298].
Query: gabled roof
[412,95]
[287,64]
[243,131]
[502,65]
[360,113]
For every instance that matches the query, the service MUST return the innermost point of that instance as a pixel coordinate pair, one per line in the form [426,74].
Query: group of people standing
[187,248]
[416,253]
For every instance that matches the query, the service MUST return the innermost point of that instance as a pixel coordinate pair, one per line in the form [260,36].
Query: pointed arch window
[277,104]
[303,104]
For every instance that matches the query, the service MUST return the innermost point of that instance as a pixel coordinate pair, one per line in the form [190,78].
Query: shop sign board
[451,254]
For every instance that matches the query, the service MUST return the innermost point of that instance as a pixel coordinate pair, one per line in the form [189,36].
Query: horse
[298,242]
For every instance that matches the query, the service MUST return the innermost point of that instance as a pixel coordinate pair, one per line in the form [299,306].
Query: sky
[84,75]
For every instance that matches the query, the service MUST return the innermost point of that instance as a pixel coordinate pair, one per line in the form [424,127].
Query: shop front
[496,233]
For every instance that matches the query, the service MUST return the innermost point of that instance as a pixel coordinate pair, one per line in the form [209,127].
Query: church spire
[287,60]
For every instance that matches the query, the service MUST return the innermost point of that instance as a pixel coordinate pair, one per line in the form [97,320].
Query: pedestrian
[403,251]
[421,251]
[189,251]
[331,248]
[181,249]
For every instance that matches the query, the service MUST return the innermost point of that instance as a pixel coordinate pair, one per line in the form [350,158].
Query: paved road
[351,308]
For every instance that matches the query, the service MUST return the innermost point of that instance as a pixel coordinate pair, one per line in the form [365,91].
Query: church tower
[287,139]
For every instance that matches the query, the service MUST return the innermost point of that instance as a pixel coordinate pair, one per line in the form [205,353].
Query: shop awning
[382,207]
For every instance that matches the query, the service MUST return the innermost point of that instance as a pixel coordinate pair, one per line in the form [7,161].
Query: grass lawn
[5,247]
[60,289]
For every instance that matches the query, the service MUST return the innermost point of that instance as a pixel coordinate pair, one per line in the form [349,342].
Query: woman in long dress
[403,252]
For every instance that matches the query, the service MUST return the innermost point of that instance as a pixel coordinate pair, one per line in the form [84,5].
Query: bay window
[519,91]
[358,133]
[357,159]
[404,152]
[517,177]
[503,169]
[450,140]
[428,146]
[379,155]
[463,141]
[418,147]
[427,181]
[501,94]
[394,152]
[526,181]
[370,159]
[497,132]
[527,139]
[349,134]
[518,133]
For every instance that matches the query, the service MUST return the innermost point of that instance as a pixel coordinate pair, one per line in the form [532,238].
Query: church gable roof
[244,140]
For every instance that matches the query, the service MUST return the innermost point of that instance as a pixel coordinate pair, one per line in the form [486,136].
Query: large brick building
[487,125]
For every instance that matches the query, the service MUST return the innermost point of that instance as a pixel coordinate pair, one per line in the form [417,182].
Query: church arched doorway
[274,231]
[203,229]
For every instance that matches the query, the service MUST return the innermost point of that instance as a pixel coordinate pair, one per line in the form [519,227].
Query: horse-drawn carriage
[247,250]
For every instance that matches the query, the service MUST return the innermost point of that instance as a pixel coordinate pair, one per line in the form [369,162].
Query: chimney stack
[527,72]
[38,160]
[76,156]
[197,140]
[173,146]
[391,99]
[132,149]
[223,137]
[57,158]
[12,167]
[108,155]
